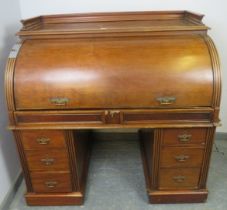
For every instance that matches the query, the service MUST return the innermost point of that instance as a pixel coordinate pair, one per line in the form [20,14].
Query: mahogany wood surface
[179,178]
[51,159]
[196,136]
[46,182]
[181,157]
[43,139]
[87,71]
[53,199]
[179,196]
[158,72]
[107,24]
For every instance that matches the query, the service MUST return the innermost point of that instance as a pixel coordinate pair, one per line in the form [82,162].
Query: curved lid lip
[113,23]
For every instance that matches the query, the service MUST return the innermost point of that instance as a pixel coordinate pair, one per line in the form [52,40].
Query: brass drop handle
[184,137]
[51,184]
[113,112]
[43,140]
[181,158]
[179,179]
[47,161]
[58,101]
[166,100]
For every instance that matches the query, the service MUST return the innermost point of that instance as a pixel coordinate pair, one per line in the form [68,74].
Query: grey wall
[9,164]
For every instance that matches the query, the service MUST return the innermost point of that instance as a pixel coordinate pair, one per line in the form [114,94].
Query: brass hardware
[47,161]
[113,112]
[43,140]
[181,158]
[179,179]
[184,137]
[51,184]
[59,101]
[166,100]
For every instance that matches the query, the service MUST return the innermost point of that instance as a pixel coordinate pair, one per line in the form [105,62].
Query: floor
[116,181]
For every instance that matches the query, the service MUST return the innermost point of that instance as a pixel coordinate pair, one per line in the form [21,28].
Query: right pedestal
[176,162]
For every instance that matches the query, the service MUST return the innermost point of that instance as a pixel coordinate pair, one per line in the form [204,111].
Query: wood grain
[196,136]
[47,159]
[54,139]
[181,157]
[80,75]
[112,24]
[154,71]
[169,178]
[60,182]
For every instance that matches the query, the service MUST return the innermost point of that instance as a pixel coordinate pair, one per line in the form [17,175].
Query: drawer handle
[51,184]
[179,179]
[166,100]
[112,113]
[47,161]
[59,101]
[184,137]
[43,140]
[181,158]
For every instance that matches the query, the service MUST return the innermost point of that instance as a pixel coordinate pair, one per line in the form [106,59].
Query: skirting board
[221,136]
[11,193]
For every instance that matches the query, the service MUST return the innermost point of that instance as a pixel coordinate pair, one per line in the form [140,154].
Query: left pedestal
[55,165]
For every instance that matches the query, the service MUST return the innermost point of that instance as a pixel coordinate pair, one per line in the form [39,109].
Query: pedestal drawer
[43,182]
[41,139]
[184,136]
[179,178]
[56,159]
[181,157]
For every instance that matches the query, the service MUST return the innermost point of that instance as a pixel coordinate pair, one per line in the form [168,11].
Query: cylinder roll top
[141,72]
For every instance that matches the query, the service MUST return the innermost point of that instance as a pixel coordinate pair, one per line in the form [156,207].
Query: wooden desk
[155,71]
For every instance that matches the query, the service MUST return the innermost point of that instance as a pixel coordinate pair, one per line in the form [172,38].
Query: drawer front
[43,139]
[184,136]
[56,159]
[51,182]
[75,117]
[164,116]
[179,178]
[181,157]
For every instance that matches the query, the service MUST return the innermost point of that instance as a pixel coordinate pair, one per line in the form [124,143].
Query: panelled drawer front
[184,136]
[43,139]
[179,178]
[181,157]
[113,116]
[55,159]
[78,117]
[164,116]
[43,182]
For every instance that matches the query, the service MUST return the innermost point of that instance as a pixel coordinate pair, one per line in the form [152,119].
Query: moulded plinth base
[178,196]
[58,199]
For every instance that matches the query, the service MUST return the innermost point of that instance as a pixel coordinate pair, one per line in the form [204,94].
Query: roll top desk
[154,71]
